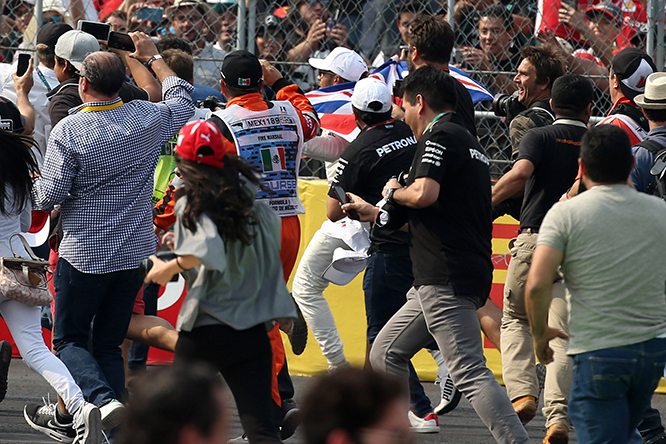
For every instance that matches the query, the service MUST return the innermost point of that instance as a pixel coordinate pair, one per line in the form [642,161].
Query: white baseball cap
[345,266]
[343,62]
[371,95]
[74,46]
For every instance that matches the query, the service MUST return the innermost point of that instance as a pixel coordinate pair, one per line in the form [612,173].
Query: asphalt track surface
[460,426]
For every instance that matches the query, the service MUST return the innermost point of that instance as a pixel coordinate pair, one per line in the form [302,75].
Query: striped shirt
[99,167]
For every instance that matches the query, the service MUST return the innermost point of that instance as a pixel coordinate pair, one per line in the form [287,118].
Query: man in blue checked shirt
[99,168]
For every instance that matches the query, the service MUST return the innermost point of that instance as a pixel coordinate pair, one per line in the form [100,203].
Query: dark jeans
[108,299]
[386,282]
[612,388]
[244,358]
[650,426]
[138,353]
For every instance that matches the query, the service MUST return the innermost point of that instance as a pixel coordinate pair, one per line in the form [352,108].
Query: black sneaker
[291,420]
[42,418]
[299,334]
[5,360]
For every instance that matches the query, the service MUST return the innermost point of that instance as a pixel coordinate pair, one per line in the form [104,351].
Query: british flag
[333,103]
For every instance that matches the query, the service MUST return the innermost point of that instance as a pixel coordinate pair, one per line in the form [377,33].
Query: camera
[508,106]
[146,264]
[211,102]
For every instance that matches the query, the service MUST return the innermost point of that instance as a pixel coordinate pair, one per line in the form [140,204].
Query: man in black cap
[629,71]
[270,136]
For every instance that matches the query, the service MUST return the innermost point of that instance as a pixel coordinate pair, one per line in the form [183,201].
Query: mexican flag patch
[273,159]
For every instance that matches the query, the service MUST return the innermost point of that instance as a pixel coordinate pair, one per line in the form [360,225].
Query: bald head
[104,73]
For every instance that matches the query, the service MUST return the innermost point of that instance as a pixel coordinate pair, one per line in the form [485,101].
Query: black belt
[529,230]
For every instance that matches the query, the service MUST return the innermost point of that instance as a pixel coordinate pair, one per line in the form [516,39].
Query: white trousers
[25,326]
[308,292]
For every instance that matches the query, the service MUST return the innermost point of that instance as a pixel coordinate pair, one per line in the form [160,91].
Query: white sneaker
[113,414]
[88,424]
[429,424]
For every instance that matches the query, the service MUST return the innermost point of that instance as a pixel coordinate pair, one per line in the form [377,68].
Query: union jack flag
[333,103]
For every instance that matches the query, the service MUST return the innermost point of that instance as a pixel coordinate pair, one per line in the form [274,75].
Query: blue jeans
[612,388]
[386,282]
[108,299]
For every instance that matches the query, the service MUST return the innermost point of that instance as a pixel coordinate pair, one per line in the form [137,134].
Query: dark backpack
[658,186]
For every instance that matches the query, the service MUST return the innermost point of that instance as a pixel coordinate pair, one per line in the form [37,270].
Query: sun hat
[655,92]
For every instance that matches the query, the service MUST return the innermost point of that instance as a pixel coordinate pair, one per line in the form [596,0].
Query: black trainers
[299,334]
[42,418]
[291,420]
[5,360]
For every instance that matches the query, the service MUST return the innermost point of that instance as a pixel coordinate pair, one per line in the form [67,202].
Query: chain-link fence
[489,37]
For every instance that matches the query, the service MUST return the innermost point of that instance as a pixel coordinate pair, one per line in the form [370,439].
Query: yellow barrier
[348,307]
[347,304]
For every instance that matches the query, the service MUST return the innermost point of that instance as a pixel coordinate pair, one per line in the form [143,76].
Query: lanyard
[103,107]
[41,76]
[433,121]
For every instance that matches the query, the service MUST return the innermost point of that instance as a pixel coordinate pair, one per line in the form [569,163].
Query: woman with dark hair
[236,289]
[17,169]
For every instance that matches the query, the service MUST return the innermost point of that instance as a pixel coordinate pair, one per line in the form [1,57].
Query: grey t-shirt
[238,285]
[614,244]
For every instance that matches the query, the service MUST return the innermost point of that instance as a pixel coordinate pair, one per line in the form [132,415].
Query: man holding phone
[384,149]
[70,50]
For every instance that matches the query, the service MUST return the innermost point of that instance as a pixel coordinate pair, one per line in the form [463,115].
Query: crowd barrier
[347,303]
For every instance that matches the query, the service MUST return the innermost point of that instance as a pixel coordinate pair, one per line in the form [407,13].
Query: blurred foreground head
[354,406]
[177,405]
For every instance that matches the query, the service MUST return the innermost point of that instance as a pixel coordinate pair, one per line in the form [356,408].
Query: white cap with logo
[343,62]
[371,95]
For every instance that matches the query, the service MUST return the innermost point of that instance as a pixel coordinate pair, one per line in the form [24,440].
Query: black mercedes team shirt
[377,154]
[451,239]
[554,151]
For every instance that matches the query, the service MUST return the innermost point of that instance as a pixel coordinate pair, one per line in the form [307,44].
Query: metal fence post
[251,26]
[659,37]
[38,21]
[242,25]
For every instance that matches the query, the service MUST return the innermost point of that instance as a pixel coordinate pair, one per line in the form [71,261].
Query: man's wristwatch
[389,195]
[152,59]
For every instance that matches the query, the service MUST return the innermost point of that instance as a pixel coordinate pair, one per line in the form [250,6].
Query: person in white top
[341,66]
[16,171]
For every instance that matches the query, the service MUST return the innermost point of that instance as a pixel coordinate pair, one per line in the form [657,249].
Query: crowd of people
[109,147]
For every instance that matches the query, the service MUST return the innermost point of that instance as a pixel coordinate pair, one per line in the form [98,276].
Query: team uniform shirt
[378,153]
[164,215]
[450,241]
[271,140]
[554,151]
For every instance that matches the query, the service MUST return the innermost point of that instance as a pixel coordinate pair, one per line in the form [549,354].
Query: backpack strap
[652,146]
